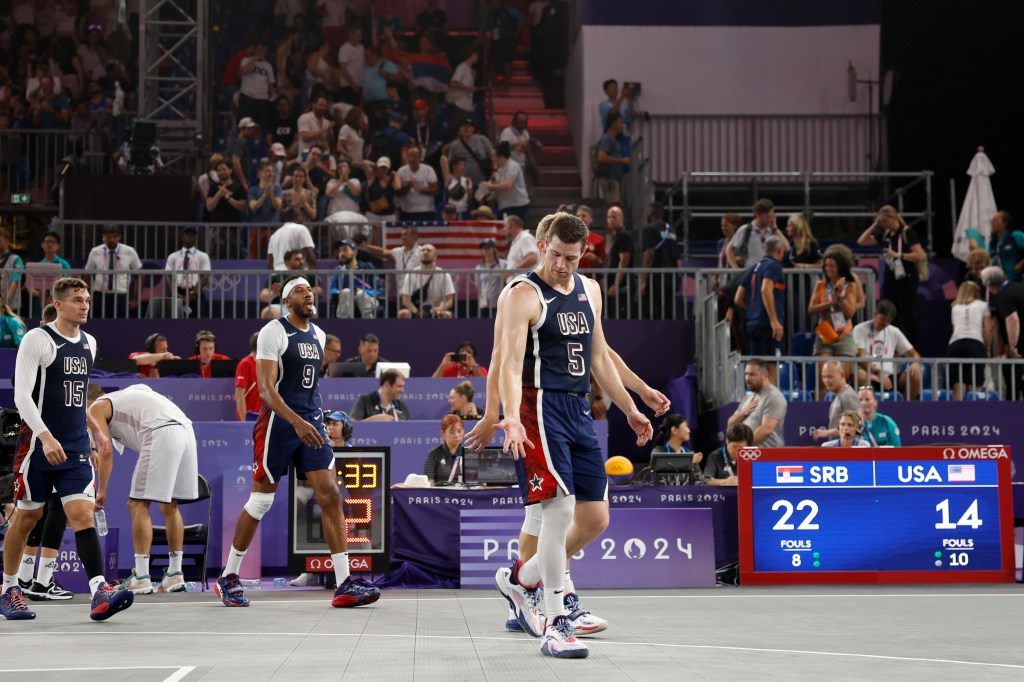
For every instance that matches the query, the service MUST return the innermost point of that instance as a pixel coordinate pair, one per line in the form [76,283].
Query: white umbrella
[978,209]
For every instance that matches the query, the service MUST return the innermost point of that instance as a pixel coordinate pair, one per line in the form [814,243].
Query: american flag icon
[960,473]
[582,298]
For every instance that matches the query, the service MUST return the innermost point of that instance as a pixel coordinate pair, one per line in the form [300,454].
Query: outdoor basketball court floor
[735,633]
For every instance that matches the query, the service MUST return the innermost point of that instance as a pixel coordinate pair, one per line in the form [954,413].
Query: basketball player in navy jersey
[290,429]
[54,450]
[553,339]
[579,536]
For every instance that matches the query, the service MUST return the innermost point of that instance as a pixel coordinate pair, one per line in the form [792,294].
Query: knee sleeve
[35,536]
[534,517]
[259,504]
[55,523]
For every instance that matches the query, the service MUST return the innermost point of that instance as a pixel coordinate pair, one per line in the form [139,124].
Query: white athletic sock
[46,569]
[569,587]
[141,565]
[174,562]
[551,552]
[341,568]
[10,581]
[528,574]
[27,568]
[235,557]
[94,584]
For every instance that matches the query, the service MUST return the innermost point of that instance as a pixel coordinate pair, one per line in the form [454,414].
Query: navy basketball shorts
[36,481]
[276,445]
[566,454]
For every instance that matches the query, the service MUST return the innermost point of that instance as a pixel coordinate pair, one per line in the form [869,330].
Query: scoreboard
[875,515]
[362,476]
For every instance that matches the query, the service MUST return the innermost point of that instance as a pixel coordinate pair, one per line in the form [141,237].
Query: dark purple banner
[658,548]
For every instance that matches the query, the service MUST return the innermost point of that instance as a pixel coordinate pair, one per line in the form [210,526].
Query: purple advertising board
[71,573]
[657,548]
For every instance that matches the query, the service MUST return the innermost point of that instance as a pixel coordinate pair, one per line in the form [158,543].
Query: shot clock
[362,477]
[879,515]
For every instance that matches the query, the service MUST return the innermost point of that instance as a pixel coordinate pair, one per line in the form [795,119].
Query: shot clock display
[362,476]
[892,515]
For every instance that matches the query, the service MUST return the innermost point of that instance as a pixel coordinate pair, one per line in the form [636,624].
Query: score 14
[969,518]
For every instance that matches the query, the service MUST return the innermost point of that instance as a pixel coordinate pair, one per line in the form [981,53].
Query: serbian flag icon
[789,474]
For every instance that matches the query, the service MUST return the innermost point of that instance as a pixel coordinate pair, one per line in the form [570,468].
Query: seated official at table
[440,461]
[849,433]
[383,405]
[721,467]
[673,433]
[149,361]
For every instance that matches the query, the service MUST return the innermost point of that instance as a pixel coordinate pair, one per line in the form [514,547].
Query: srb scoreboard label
[864,515]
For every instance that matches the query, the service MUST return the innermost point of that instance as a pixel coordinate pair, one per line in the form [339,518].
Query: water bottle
[101,522]
[251,583]
[279,582]
[191,587]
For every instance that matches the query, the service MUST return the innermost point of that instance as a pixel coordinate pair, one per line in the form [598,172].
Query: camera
[633,87]
[458,357]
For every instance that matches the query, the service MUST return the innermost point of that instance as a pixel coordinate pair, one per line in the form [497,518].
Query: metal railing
[742,143]
[32,160]
[246,293]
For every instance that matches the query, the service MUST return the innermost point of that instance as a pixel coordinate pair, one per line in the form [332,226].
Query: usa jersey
[558,346]
[298,363]
[59,394]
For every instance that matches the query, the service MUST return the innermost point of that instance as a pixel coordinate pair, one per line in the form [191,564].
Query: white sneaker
[304,580]
[583,622]
[560,640]
[524,602]
[138,584]
[173,582]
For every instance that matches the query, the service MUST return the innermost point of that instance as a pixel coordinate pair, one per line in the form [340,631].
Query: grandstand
[724,104]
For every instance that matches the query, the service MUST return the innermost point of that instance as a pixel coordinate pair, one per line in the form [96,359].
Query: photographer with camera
[461,363]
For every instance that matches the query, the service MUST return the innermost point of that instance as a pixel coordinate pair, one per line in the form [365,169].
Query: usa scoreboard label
[893,515]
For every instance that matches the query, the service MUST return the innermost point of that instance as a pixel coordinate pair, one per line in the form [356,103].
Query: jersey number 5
[577,365]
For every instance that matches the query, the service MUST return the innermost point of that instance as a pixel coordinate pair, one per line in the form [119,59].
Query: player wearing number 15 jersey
[290,430]
[552,325]
[54,453]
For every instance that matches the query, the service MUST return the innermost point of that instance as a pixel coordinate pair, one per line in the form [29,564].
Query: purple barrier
[70,572]
[425,522]
[227,447]
[656,548]
[973,423]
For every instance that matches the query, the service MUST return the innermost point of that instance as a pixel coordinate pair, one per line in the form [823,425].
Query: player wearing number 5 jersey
[553,339]
[290,430]
[54,454]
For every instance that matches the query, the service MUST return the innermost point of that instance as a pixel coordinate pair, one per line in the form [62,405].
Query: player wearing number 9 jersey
[54,451]
[290,430]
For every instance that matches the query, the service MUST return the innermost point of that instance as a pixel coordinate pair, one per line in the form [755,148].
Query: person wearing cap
[315,126]
[189,261]
[357,290]
[257,89]
[509,184]
[457,184]
[278,158]
[489,278]
[339,428]
[483,213]
[241,151]
[475,148]
[113,295]
[424,134]
[351,60]
[381,185]
[419,186]
[391,142]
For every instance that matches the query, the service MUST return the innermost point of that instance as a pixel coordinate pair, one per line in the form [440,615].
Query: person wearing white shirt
[419,186]
[518,138]
[523,253]
[191,262]
[292,236]
[113,295]
[351,60]
[166,472]
[343,192]
[258,87]
[463,84]
[972,333]
[427,291]
[878,338]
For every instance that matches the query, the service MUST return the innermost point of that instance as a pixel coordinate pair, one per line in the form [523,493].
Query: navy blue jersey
[558,346]
[298,374]
[59,394]
[757,314]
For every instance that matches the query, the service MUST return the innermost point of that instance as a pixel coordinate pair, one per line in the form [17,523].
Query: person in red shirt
[247,393]
[593,256]
[461,363]
[206,351]
[148,361]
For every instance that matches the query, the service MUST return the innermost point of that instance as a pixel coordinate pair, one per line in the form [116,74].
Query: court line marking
[179,671]
[519,638]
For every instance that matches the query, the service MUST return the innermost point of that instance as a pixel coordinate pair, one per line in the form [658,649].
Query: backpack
[385,144]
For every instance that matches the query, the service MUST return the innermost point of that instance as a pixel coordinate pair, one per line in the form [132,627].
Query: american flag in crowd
[457,242]
[960,473]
